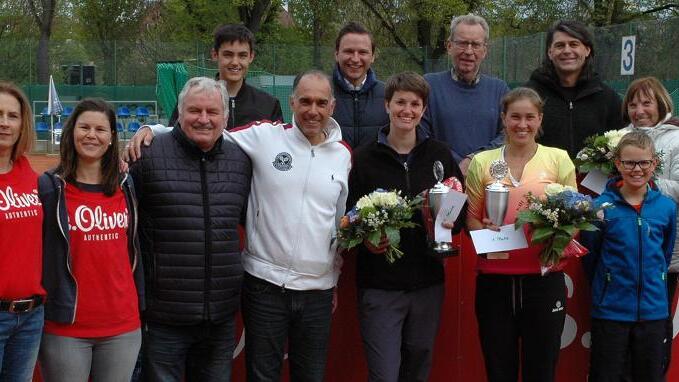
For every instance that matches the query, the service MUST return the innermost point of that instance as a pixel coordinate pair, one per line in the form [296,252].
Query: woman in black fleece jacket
[399,304]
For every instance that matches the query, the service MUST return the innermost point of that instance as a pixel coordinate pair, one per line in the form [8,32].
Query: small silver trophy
[497,194]
[435,196]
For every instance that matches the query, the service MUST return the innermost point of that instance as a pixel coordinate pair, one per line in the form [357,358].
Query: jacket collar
[420,135]
[369,83]
[583,87]
[666,123]
[332,132]
[611,185]
[191,148]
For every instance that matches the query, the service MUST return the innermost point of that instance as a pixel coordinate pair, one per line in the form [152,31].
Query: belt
[22,305]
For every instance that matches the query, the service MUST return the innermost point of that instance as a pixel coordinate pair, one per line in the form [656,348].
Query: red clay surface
[42,162]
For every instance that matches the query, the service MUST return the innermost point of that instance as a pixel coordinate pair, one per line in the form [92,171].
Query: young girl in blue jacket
[628,262]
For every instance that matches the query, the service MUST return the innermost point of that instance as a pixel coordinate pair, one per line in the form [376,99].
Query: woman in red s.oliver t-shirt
[91,270]
[21,294]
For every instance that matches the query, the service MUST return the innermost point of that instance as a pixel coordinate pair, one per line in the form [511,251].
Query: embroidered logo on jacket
[283,162]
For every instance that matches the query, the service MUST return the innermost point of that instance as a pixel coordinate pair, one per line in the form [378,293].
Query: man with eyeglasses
[577,103]
[464,105]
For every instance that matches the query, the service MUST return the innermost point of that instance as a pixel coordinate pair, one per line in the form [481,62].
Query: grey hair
[470,19]
[313,73]
[203,84]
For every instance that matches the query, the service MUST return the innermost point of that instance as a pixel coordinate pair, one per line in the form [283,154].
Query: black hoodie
[571,115]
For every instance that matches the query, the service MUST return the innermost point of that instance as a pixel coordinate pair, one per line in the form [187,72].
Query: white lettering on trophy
[10,199]
[87,219]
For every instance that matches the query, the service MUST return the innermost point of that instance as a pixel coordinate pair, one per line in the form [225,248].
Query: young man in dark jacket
[234,51]
[359,96]
[577,103]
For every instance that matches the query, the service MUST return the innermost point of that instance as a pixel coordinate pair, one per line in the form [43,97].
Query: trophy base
[442,249]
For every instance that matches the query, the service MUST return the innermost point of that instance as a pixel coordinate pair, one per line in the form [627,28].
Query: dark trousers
[520,319]
[398,330]
[188,353]
[273,315]
[671,289]
[614,341]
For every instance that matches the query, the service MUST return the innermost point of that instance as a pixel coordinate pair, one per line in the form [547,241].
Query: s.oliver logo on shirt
[17,205]
[101,225]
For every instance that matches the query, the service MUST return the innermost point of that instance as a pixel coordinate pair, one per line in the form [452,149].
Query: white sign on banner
[627,55]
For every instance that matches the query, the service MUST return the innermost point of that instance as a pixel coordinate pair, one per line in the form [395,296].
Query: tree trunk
[43,57]
[317,34]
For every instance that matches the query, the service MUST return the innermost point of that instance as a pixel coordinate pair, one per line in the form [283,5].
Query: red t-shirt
[107,303]
[20,233]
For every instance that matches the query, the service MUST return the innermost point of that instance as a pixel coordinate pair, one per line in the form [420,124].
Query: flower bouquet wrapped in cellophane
[380,213]
[554,221]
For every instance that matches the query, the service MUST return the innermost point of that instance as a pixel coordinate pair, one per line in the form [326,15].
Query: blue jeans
[271,315]
[204,352]
[20,335]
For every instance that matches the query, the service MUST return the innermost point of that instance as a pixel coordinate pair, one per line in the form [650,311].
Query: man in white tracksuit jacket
[298,194]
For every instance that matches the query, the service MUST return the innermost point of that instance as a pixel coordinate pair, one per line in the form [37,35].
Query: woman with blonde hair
[21,292]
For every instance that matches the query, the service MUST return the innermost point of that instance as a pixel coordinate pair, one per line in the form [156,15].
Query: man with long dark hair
[577,103]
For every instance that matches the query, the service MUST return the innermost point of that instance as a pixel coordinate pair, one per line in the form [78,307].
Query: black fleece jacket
[377,165]
[571,116]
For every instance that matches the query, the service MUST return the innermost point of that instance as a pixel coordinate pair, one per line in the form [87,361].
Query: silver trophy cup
[435,195]
[497,195]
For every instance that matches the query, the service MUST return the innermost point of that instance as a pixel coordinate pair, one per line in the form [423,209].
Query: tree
[316,17]
[254,12]
[108,22]
[43,12]
[419,23]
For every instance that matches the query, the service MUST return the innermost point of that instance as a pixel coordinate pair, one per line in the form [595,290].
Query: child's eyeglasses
[631,164]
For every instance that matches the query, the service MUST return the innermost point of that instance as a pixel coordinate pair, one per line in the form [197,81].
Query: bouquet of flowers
[380,213]
[555,219]
[598,152]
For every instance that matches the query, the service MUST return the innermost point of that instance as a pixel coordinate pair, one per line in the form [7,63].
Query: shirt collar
[352,86]
[457,78]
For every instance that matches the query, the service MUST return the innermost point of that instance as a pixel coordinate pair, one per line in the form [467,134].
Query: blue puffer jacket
[629,257]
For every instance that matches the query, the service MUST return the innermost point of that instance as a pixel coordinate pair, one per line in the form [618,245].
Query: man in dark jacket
[577,103]
[234,51]
[359,96]
[192,187]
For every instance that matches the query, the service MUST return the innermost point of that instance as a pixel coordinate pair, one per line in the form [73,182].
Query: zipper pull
[639,221]
[570,105]
[608,277]
[405,165]
[282,288]
[313,155]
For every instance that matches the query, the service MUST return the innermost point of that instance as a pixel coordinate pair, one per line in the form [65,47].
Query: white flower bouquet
[599,151]
[380,213]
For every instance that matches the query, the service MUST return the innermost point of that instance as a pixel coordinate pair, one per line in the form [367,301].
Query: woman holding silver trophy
[520,313]
[399,303]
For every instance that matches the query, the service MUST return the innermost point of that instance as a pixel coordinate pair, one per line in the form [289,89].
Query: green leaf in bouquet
[570,230]
[541,234]
[351,243]
[586,226]
[374,237]
[527,216]
[393,235]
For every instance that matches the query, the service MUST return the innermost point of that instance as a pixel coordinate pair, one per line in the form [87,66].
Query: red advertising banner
[458,352]
[457,356]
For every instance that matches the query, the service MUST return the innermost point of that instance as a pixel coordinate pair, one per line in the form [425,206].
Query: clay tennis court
[42,162]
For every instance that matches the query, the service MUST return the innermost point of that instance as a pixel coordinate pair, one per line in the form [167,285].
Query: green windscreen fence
[171,77]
